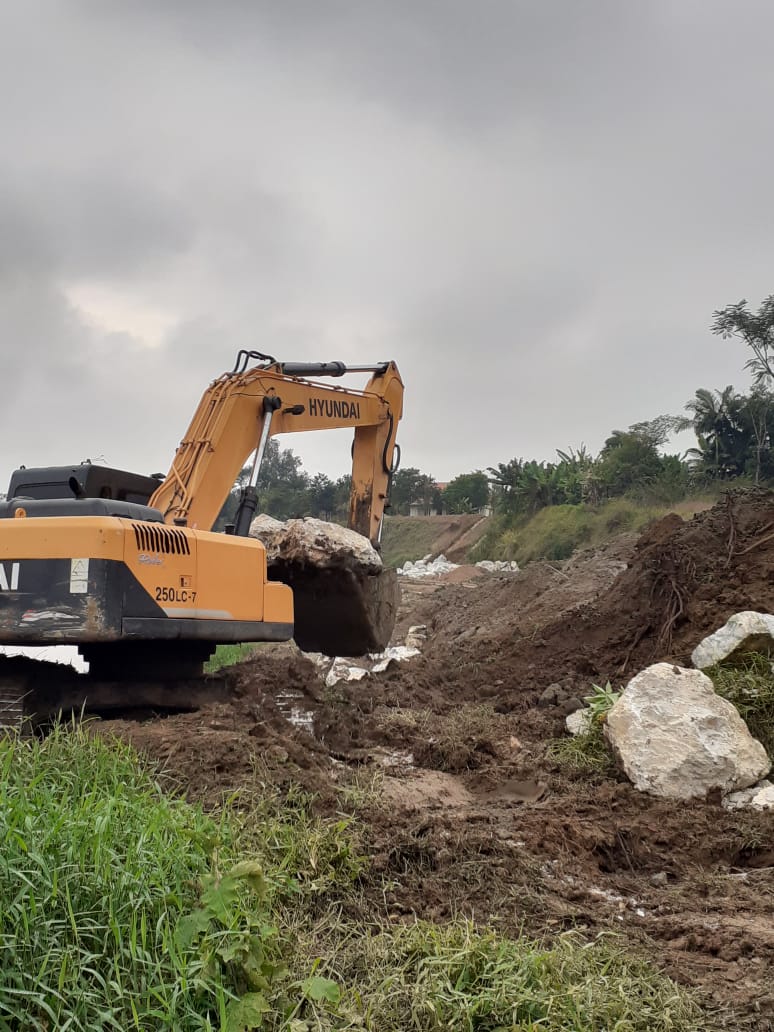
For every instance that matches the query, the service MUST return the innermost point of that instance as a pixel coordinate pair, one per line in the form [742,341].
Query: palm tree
[712,425]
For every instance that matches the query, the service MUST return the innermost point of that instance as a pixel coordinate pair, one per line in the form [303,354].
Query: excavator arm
[241,410]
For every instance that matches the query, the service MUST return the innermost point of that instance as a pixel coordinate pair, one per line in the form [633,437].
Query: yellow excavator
[130,569]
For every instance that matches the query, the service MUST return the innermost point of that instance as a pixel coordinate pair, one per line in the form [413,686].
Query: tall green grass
[123,909]
[427,978]
[97,869]
[228,655]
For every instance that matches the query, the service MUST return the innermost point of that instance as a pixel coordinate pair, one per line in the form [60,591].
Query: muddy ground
[462,808]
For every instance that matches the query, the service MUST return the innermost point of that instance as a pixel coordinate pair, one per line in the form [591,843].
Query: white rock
[416,636]
[743,632]
[759,797]
[393,654]
[264,524]
[342,670]
[426,567]
[498,565]
[579,722]
[316,542]
[675,737]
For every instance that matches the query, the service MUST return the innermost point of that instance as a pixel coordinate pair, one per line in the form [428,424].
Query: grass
[451,742]
[586,753]
[557,531]
[123,909]
[749,685]
[228,655]
[405,538]
[589,753]
[97,868]
[454,977]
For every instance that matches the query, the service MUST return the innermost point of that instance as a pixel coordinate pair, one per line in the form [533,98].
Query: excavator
[131,570]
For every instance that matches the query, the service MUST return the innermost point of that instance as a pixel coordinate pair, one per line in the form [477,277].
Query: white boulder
[342,670]
[675,737]
[759,797]
[427,567]
[743,632]
[314,542]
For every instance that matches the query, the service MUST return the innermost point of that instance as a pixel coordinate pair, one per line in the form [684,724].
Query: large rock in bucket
[345,602]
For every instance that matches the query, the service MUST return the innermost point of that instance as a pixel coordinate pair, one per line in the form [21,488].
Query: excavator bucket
[340,611]
[345,602]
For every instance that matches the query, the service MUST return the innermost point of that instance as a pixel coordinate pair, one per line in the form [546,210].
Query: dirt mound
[603,615]
[256,737]
[469,812]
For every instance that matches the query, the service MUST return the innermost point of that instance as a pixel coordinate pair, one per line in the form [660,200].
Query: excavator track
[34,693]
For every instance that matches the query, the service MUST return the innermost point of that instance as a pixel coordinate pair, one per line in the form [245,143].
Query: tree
[468,492]
[409,485]
[723,432]
[759,410]
[756,329]
[322,496]
[505,479]
[283,486]
[629,459]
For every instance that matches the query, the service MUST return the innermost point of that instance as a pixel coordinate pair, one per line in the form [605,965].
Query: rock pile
[429,567]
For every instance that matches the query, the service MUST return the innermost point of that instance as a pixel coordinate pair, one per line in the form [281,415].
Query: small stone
[571,706]
[550,696]
[659,879]
[759,797]
[578,722]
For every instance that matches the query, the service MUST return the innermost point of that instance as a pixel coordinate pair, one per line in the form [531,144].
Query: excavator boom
[242,409]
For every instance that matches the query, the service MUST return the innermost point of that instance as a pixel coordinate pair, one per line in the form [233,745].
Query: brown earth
[468,813]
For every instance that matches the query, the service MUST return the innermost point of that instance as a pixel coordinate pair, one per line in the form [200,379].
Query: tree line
[734,434]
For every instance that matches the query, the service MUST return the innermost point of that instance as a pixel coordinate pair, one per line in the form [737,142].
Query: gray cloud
[533,207]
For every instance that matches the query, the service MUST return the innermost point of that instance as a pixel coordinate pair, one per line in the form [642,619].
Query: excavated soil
[464,809]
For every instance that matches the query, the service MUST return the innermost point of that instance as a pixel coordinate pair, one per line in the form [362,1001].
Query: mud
[466,811]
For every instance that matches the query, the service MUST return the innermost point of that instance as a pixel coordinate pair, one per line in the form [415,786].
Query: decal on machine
[183,595]
[334,408]
[9,578]
[79,576]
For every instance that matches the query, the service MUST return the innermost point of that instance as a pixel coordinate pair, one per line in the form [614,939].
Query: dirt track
[468,813]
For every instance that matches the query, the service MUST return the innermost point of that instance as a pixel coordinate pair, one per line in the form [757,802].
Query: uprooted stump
[345,602]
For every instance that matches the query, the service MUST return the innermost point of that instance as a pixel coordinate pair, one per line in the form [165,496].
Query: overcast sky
[533,207]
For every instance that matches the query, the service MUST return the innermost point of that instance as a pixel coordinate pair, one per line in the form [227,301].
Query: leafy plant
[588,752]
[601,701]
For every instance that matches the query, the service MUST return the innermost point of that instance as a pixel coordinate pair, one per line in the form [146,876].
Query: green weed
[589,753]
[228,655]
[123,909]
[749,685]
[585,754]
